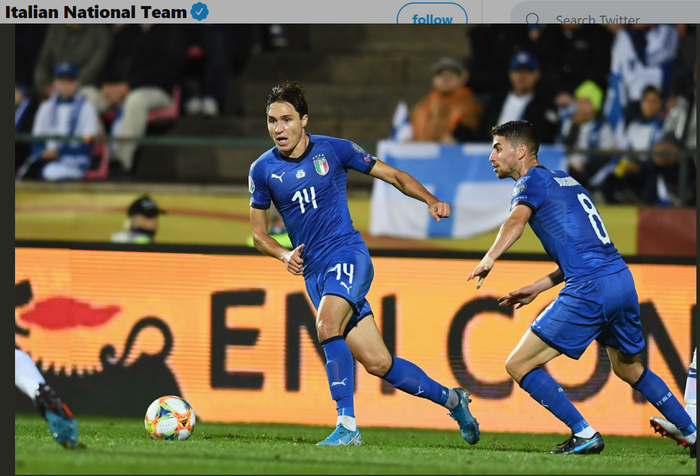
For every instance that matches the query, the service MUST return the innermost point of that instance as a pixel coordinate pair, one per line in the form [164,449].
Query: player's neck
[299,150]
[527,165]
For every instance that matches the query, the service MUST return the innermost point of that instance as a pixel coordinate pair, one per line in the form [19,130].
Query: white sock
[27,375]
[690,396]
[587,432]
[691,410]
[347,421]
[691,438]
[452,400]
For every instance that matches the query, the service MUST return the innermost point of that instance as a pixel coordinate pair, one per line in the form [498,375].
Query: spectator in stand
[144,64]
[679,133]
[570,54]
[449,113]
[682,83]
[641,55]
[65,113]
[634,178]
[25,110]
[216,43]
[522,101]
[492,47]
[84,45]
[584,128]
[141,224]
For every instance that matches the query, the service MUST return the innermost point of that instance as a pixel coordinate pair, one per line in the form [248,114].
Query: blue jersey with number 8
[568,224]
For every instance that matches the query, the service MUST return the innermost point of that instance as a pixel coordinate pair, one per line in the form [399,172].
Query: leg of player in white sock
[27,375]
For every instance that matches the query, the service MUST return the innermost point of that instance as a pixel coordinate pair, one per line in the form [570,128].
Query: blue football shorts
[347,274]
[604,308]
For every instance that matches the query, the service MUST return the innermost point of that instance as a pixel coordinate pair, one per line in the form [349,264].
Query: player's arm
[269,246]
[510,231]
[527,294]
[410,187]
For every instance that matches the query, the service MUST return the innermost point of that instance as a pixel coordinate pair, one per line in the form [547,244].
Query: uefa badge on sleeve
[251,184]
[321,164]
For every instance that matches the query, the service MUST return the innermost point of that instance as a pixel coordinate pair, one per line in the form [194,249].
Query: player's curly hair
[291,92]
[519,132]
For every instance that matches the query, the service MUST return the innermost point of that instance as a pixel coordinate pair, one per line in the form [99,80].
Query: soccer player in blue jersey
[305,177]
[599,300]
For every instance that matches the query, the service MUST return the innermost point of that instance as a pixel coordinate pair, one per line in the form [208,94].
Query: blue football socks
[657,392]
[410,378]
[547,392]
[340,370]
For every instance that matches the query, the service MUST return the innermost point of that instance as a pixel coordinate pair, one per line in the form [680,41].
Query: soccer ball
[170,418]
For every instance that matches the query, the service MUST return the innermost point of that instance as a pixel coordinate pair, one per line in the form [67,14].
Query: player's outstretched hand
[519,297]
[293,261]
[481,271]
[439,210]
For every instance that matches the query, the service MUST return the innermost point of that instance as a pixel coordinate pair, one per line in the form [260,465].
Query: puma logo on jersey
[278,176]
[346,286]
[339,383]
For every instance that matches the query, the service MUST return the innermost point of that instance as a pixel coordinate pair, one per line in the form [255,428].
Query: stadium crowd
[621,99]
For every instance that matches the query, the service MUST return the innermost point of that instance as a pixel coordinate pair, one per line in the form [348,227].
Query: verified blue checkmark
[199,11]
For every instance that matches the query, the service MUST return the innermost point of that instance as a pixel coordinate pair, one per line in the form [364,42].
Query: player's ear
[304,120]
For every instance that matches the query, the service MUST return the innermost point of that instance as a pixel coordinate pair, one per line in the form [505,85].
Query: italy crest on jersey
[321,164]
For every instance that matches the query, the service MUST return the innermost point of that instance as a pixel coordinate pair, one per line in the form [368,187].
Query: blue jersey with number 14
[310,194]
[567,223]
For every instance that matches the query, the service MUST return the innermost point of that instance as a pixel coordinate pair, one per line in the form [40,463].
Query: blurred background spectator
[25,110]
[142,69]
[634,179]
[84,45]
[523,100]
[641,55]
[570,54]
[679,133]
[65,113]
[449,113]
[141,224]
[583,127]
[492,47]
[682,82]
[210,47]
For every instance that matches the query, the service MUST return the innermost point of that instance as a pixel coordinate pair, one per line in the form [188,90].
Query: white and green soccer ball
[170,418]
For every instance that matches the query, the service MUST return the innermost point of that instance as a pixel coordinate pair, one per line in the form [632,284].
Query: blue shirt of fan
[568,224]
[310,194]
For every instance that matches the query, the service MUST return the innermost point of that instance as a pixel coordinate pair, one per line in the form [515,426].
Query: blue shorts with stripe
[605,309]
[347,274]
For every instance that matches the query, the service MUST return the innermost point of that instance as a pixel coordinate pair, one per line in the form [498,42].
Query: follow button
[425,13]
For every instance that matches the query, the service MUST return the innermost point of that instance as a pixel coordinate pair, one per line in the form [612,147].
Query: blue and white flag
[460,175]
[401,128]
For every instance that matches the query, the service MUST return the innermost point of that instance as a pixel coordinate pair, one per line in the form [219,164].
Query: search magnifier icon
[532,19]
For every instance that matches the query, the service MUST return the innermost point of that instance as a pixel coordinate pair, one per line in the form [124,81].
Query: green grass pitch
[122,446]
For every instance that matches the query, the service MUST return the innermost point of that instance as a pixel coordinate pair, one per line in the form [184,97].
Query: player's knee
[514,368]
[629,373]
[377,365]
[326,329]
